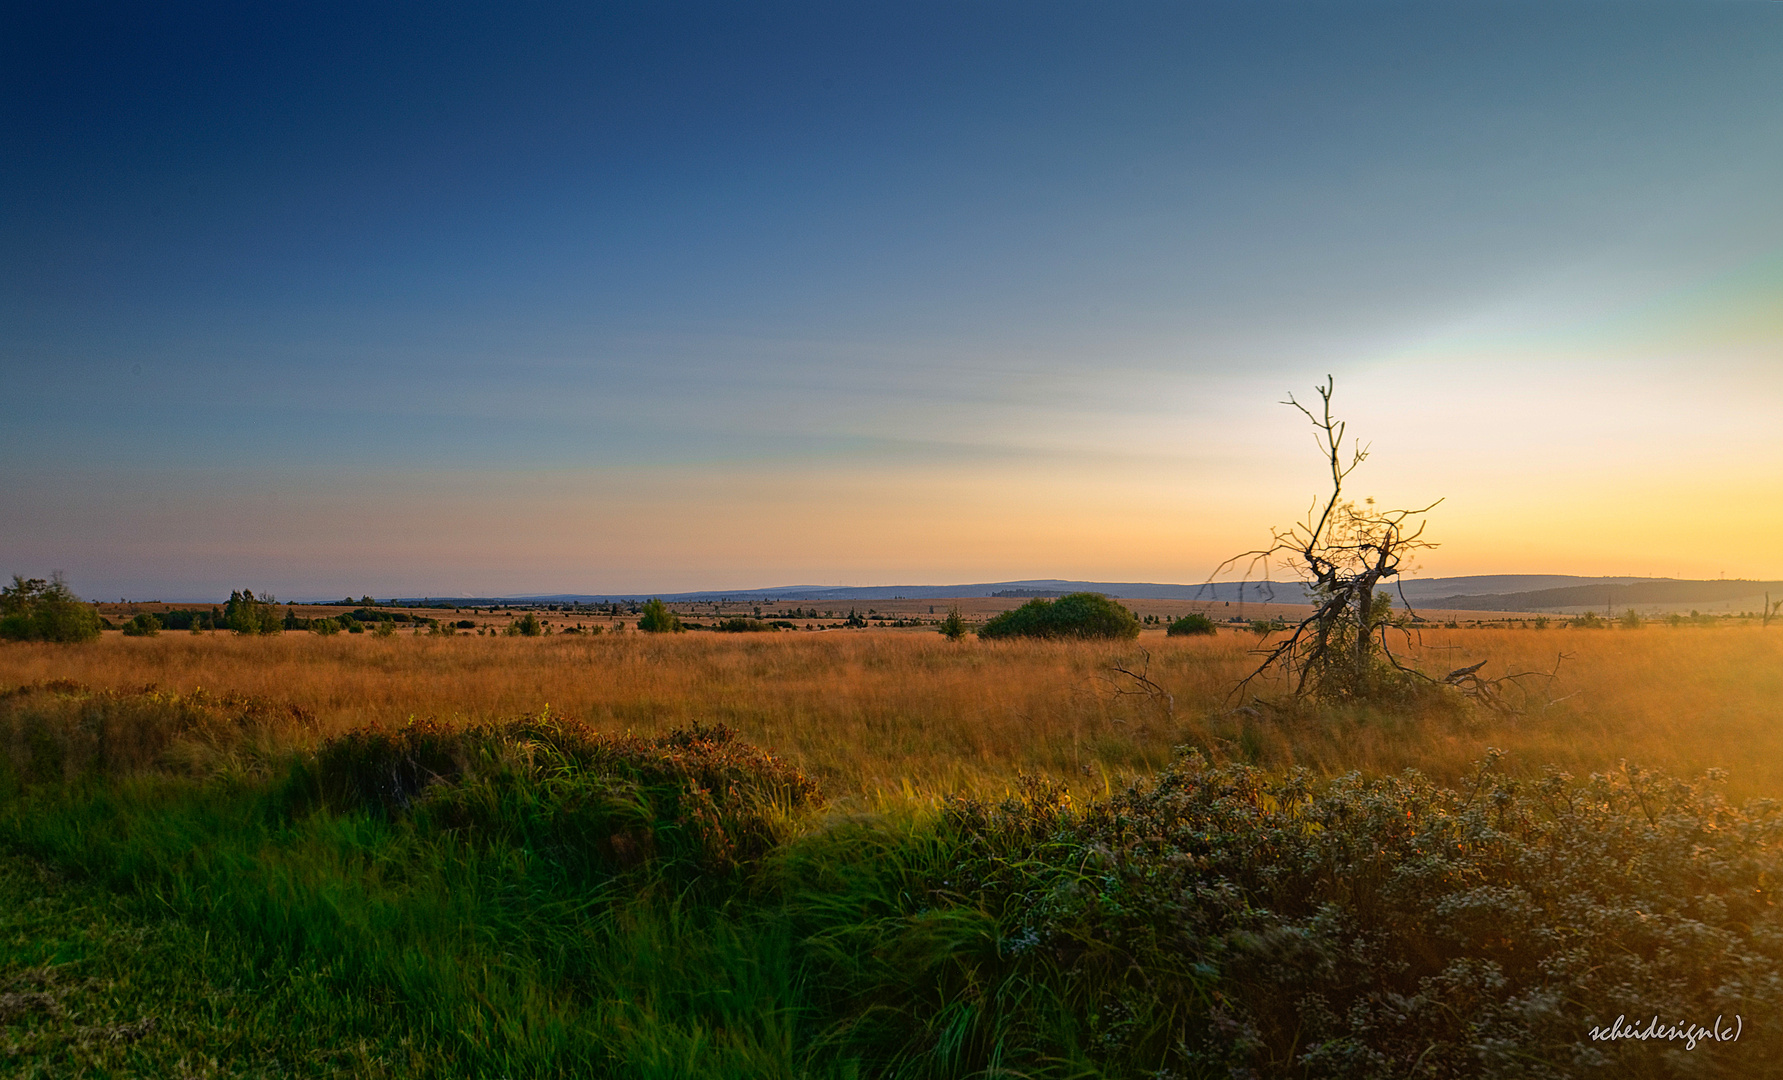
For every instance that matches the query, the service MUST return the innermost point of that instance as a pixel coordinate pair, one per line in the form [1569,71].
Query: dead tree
[1345,554]
[1769,611]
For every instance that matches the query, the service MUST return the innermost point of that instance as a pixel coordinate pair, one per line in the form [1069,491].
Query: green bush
[658,619]
[953,628]
[32,609]
[144,625]
[187,619]
[743,626]
[246,613]
[1191,625]
[1078,615]
[527,625]
[325,627]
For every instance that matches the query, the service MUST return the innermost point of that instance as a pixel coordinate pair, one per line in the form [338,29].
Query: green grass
[112,984]
[535,899]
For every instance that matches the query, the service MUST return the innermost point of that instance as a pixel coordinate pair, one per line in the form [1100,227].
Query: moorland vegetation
[506,890]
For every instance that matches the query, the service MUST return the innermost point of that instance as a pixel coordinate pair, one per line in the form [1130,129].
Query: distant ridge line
[1495,592]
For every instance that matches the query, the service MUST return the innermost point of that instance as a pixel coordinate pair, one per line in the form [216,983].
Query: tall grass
[535,898]
[875,715]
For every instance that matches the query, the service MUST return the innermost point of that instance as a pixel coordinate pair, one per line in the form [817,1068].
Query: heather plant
[1229,921]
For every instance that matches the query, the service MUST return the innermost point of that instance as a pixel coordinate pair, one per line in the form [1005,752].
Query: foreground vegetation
[873,715]
[263,867]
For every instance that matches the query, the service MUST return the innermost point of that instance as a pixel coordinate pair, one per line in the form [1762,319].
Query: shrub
[325,627]
[526,626]
[246,613]
[1078,615]
[32,609]
[1631,620]
[186,619]
[144,625]
[743,626]
[953,628]
[658,619]
[1191,625]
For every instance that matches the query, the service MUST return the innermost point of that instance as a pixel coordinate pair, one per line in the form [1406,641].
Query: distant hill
[1618,595]
[1488,592]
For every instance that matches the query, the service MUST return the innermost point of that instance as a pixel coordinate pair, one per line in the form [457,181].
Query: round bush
[1079,615]
[658,619]
[1190,626]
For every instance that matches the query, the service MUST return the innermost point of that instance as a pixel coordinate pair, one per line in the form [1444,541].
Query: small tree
[658,619]
[32,609]
[144,625]
[1342,552]
[246,613]
[953,628]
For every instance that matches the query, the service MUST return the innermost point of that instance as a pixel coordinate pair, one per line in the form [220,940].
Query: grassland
[205,879]
[872,713]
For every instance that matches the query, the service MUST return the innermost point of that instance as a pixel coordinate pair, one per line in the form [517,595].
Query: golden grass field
[878,714]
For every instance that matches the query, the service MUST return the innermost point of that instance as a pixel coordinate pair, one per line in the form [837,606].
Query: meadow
[880,853]
[880,713]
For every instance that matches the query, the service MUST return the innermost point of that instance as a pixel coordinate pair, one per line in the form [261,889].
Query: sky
[442,299]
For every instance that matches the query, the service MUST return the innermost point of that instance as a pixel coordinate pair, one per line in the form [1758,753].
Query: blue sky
[401,299]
